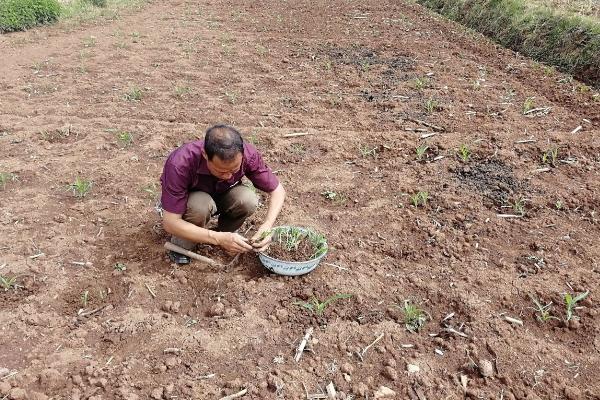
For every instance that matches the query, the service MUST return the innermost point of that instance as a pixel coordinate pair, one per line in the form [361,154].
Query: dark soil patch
[494,179]
[363,58]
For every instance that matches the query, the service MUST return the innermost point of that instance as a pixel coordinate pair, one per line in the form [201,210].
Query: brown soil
[345,72]
[304,252]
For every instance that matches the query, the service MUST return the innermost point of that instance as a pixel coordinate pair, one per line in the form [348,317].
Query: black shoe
[179,258]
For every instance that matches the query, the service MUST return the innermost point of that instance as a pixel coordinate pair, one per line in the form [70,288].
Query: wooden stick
[172,350]
[303,343]
[522,141]
[432,126]
[235,395]
[362,353]
[150,290]
[544,109]
[191,254]
[508,216]
[9,375]
[85,314]
[290,135]
[577,129]
[513,320]
[331,393]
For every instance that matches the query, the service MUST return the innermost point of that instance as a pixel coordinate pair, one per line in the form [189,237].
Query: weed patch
[17,15]
[565,40]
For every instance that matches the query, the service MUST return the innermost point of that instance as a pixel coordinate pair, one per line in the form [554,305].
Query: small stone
[362,389]
[390,362]
[384,392]
[347,368]
[573,393]
[274,382]
[574,324]
[282,314]
[171,362]
[412,368]
[17,394]
[347,378]
[217,309]
[486,368]
[77,381]
[167,306]
[60,218]
[4,388]
[230,312]
[157,393]
[180,275]
[37,396]
[168,390]
[175,307]
[390,373]
[52,379]
[4,371]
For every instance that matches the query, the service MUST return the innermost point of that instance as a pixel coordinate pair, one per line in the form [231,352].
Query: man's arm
[177,226]
[276,199]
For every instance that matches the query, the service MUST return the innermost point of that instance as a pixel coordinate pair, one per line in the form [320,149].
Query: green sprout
[134,94]
[126,138]
[366,151]
[85,297]
[120,267]
[182,91]
[419,199]
[464,153]
[550,156]
[421,150]
[414,317]
[421,83]
[335,197]
[231,97]
[318,307]
[290,238]
[519,206]
[80,187]
[528,105]
[297,148]
[6,177]
[365,65]
[8,283]
[542,311]
[559,205]
[432,105]
[151,189]
[571,303]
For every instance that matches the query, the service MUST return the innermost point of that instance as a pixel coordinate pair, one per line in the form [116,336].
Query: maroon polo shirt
[186,171]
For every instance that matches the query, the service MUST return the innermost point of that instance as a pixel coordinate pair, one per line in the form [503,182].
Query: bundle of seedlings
[291,243]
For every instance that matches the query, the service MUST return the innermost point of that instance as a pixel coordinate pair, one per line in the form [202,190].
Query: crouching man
[202,179]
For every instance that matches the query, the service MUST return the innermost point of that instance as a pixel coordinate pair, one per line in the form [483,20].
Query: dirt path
[359,76]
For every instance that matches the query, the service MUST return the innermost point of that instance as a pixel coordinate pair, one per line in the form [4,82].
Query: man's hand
[233,242]
[261,239]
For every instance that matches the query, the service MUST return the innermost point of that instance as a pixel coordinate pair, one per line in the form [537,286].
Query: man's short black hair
[224,142]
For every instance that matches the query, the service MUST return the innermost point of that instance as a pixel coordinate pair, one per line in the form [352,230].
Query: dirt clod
[217,309]
[390,373]
[157,393]
[17,394]
[486,368]
[384,392]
